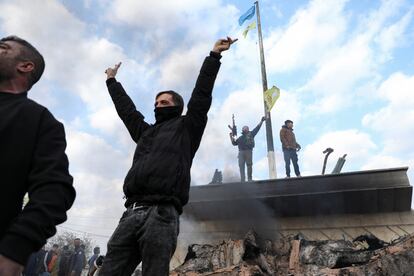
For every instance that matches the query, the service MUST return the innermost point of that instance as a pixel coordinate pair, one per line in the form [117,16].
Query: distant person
[290,147]
[30,268]
[32,160]
[53,255]
[42,260]
[91,261]
[96,266]
[83,248]
[157,185]
[64,261]
[77,260]
[246,144]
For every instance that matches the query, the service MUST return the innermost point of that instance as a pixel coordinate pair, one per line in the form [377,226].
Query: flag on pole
[270,96]
[247,15]
[250,27]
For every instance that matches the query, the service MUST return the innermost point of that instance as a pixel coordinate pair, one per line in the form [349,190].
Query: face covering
[165,113]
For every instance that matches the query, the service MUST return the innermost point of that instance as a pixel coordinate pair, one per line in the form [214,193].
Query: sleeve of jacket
[50,190]
[283,138]
[200,101]
[125,107]
[257,128]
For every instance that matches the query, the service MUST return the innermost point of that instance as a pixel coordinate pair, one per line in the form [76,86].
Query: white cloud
[159,14]
[392,36]
[74,59]
[395,121]
[357,145]
[320,36]
[384,161]
[311,32]
[180,69]
[106,119]
[164,26]
[92,154]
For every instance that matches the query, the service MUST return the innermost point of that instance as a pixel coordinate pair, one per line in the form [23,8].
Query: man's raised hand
[111,72]
[223,44]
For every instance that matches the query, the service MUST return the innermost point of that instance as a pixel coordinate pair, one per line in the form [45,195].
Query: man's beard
[7,69]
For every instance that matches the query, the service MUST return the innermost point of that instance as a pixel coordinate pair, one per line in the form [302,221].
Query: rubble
[294,255]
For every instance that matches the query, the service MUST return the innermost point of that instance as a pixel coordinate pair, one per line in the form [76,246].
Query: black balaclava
[163,114]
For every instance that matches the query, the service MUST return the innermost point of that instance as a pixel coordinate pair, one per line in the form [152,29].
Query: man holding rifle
[246,144]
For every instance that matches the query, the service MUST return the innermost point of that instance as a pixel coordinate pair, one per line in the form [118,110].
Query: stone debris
[294,255]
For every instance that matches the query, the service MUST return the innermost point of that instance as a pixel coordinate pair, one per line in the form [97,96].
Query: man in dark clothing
[64,261]
[42,262]
[96,252]
[77,260]
[289,147]
[157,185]
[32,160]
[246,144]
[29,269]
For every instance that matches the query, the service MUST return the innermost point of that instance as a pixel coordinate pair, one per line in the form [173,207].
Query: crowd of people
[70,260]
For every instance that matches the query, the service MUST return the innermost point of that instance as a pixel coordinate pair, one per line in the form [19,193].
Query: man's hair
[96,250]
[29,53]
[76,239]
[55,245]
[288,121]
[65,247]
[177,99]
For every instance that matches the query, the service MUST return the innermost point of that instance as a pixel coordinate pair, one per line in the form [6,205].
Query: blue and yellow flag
[250,27]
[270,96]
[247,15]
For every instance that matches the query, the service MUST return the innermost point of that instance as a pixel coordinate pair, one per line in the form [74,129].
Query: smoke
[230,173]
[210,218]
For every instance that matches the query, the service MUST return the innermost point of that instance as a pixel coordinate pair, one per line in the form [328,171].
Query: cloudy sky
[345,69]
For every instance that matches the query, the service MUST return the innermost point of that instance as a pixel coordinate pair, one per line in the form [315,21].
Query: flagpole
[269,136]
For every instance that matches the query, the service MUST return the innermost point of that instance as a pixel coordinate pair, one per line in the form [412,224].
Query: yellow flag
[270,96]
[250,27]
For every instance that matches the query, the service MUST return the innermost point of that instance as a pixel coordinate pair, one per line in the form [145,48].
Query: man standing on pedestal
[289,147]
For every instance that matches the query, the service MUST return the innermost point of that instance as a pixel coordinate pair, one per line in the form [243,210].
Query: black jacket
[246,140]
[160,171]
[33,161]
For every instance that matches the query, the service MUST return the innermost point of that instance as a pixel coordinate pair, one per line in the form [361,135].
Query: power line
[83,232]
[89,226]
[94,217]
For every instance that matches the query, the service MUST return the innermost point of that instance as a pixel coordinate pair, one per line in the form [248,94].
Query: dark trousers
[147,234]
[245,157]
[290,154]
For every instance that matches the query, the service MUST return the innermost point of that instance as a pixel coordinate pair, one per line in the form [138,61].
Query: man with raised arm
[246,144]
[157,185]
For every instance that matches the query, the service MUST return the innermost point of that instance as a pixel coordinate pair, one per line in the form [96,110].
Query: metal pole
[269,135]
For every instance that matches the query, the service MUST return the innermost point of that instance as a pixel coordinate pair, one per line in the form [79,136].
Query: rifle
[233,128]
